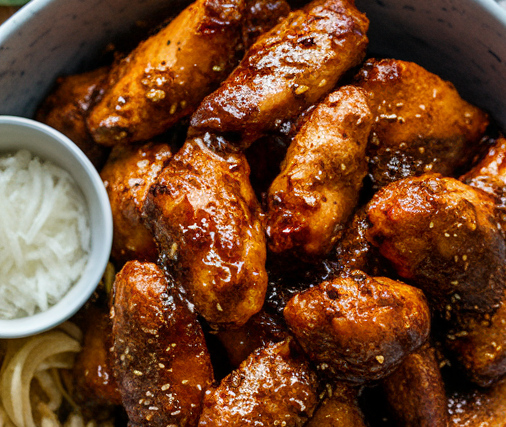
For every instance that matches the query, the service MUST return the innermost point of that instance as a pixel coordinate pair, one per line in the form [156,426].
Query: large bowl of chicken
[308,204]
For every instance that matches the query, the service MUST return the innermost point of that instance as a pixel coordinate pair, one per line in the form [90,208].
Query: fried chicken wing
[127,176]
[421,122]
[206,220]
[359,328]
[321,177]
[93,376]
[285,71]
[167,75]
[161,362]
[66,108]
[489,175]
[274,386]
[441,235]
[416,392]
[341,409]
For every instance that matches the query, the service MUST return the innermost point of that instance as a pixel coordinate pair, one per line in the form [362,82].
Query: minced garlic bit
[44,234]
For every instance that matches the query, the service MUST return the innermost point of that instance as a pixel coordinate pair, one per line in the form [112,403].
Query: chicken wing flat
[442,235]
[161,362]
[167,75]
[421,122]
[341,409]
[273,387]
[66,108]
[127,175]
[489,175]
[479,344]
[285,71]
[206,220]
[92,373]
[359,328]
[321,177]
[416,392]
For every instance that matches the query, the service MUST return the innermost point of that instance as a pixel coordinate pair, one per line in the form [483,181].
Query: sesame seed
[217,68]
[301,89]
[218,306]
[380,359]
[464,257]
[165,387]
[184,382]
[454,282]
[431,225]
[161,365]
[173,108]
[138,373]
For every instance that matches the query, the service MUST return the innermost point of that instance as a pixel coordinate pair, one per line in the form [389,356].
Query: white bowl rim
[81,291]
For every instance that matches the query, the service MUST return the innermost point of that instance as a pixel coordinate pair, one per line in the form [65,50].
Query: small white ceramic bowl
[18,133]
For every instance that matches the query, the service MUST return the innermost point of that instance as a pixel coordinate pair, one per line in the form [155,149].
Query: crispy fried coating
[258,331]
[441,235]
[161,362]
[480,408]
[321,177]
[127,175]
[261,16]
[339,410]
[93,377]
[167,75]
[285,71]
[274,386]
[421,122]
[359,328]
[416,392]
[67,106]
[489,175]
[479,345]
[206,220]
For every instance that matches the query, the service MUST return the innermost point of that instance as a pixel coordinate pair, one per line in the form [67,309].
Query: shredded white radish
[44,234]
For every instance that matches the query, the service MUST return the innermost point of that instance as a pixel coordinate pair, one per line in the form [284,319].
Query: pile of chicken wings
[295,222]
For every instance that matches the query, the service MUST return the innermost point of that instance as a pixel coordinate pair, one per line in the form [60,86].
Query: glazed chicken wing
[67,107]
[93,377]
[321,176]
[359,328]
[127,176]
[340,409]
[161,362]
[416,392]
[288,69]
[421,122]
[272,387]
[168,74]
[443,236]
[206,220]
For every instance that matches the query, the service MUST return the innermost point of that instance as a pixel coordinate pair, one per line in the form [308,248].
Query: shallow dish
[19,133]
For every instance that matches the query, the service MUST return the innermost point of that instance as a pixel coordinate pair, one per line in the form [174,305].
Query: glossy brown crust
[416,392]
[206,220]
[161,362]
[479,344]
[167,75]
[93,376]
[481,408]
[127,176]
[274,386]
[489,175]
[260,330]
[286,70]
[421,123]
[261,16]
[442,235]
[66,108]
[341,409]
[359,328]
[321,177]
